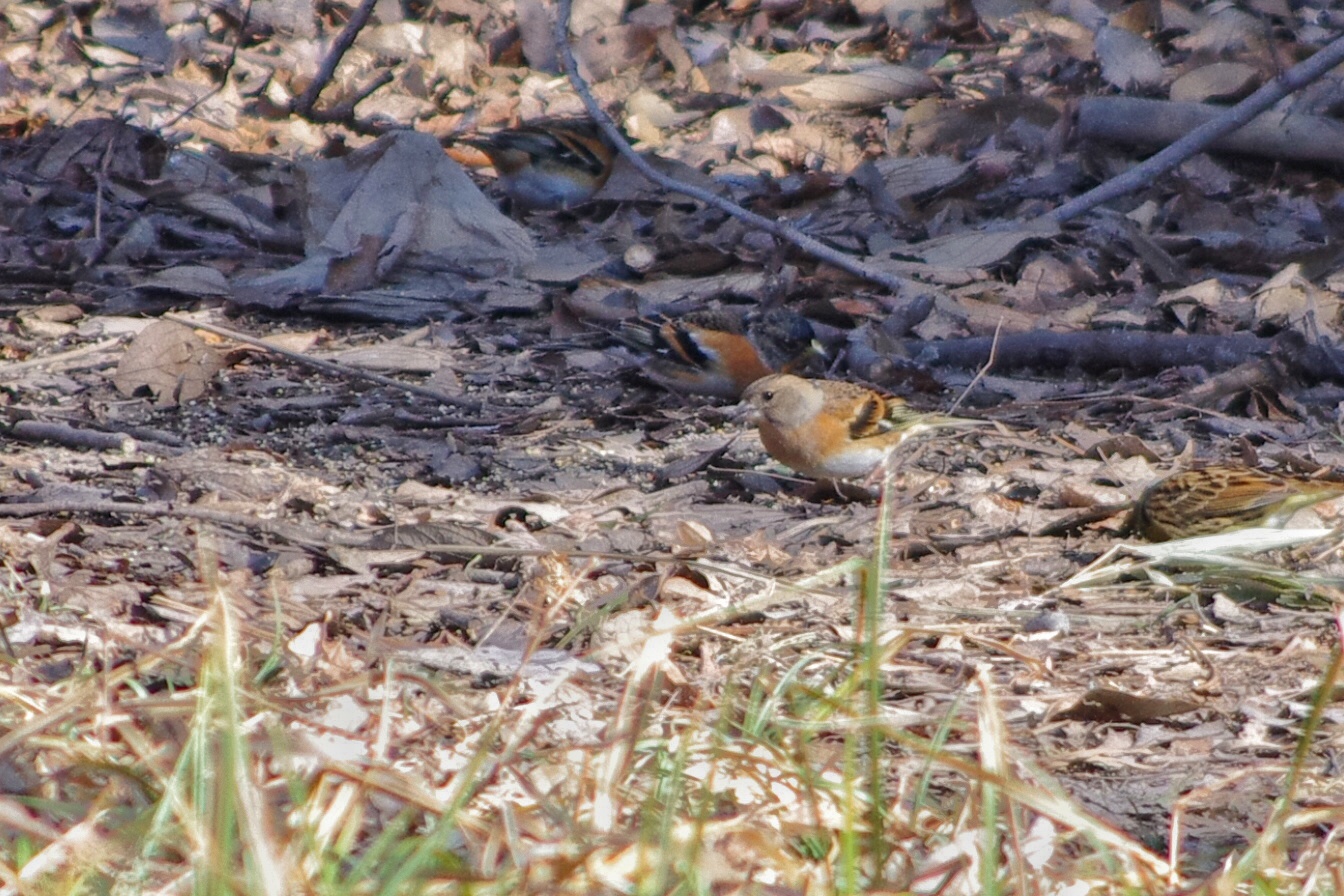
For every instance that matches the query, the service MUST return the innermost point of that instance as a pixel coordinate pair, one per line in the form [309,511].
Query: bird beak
[744,412]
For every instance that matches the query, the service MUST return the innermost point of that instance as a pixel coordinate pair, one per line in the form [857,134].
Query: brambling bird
[1221,497]
[828,429]
[718,352]
[549,164]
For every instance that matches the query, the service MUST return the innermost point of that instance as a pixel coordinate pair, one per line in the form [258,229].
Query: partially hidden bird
[1218,498]
[828,429]
[548,164]
[720,352]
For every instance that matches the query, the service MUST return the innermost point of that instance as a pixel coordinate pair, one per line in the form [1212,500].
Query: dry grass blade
[1209,551]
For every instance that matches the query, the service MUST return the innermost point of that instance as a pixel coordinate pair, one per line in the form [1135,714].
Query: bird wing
[861,409]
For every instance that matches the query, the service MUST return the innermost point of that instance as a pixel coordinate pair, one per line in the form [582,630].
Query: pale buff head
[783,400]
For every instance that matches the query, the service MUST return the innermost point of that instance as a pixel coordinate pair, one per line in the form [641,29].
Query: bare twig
[983,371]
[777,228]
[1196,141]
[344,113]
[73,359]
[304,102]
[340,370]
[287,531]
[82,437]
[330,537]
[223,78]
[101,186]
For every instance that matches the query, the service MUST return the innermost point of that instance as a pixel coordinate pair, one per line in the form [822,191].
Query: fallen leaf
[1108,705]
[171,361]
[862,89]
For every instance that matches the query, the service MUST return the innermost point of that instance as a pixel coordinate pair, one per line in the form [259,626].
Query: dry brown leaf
[196,280]
[226,210]
[536,31]
[912,176]
[691,538]
[298,340]
[1289,299]
[50,321]
[1128,60]
[390,358]
[976,250]
[983,318]
[1229,32]
[171,361]
[610,51]
[399,194]
[1216,83]
[1109,705]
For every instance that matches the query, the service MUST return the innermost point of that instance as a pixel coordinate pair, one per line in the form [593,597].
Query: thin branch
[1199,139]
[344,112]
[340,370]
[777,228]
[329,537]
[75,358]
[68,436]
[303,104]
[287,531]
[984,368]
[223,79]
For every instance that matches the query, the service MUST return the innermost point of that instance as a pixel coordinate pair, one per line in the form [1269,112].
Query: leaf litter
[581,530]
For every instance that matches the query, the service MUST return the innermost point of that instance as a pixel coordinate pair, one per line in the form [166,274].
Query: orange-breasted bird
[548,164]
[719,352]
[829,429]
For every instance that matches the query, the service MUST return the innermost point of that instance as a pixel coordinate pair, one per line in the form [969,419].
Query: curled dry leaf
[976,249]
[692,538]
[1110,705]
[1128,61]
[197,280]
[1290,299]
[1219,82]
[862,89]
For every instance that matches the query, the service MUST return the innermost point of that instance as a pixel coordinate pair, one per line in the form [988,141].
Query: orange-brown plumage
[720,352]
[831,429]
[548,164]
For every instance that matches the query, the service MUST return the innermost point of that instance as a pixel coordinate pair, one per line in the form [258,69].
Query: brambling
[829,429]
[549,164]
[1221,497]
[718,352]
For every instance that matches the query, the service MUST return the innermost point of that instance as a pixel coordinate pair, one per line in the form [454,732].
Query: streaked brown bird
[1221,497]
[829,429]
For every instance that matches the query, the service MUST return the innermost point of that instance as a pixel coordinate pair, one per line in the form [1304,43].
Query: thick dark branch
[303,104]
[1203,136]
[344,112]
[1132,120]
[1134,353]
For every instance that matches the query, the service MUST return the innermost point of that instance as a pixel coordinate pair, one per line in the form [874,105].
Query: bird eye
[768,395]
